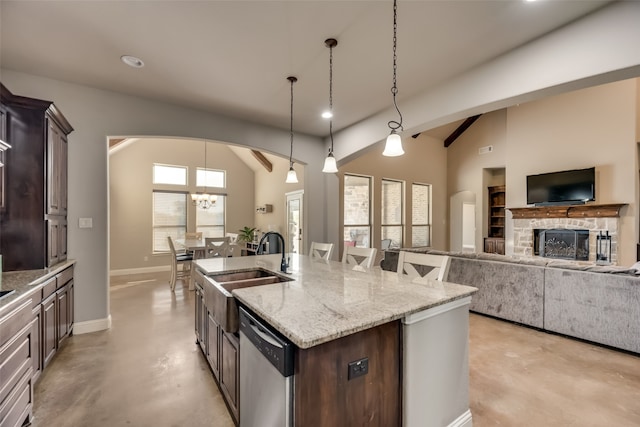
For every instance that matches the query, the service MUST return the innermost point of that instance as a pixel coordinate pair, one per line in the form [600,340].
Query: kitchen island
[412,338]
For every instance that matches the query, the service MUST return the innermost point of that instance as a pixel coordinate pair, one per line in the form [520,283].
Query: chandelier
[204,200]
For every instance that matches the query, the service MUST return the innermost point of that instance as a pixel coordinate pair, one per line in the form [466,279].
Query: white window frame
[181,227]
[428,224]
[157,166]
[401,224]
[368,225]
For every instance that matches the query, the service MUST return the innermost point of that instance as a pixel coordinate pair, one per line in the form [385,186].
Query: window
[357,210]
[392,202]
[167,174]
[169,218]
[211,221]
[210,178]
[421,215]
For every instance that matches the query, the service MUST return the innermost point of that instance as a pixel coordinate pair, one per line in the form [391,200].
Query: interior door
[294,237]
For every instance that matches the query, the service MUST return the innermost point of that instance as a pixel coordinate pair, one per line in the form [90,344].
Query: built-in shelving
[494,242]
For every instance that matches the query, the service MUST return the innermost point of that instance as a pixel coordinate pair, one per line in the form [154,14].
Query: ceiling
[232,57]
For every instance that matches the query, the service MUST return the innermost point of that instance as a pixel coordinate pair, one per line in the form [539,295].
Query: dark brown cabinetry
[494,242]
[325,395]
[31,332]
[220,348]
[34,223]
[229,373]
[16,346]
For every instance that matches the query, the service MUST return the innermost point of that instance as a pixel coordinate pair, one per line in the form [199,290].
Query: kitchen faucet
[284,264]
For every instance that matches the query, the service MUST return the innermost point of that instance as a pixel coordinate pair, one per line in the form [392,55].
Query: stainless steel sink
[225,308]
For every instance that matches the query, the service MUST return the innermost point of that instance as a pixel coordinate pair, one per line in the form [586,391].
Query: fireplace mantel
[573,211]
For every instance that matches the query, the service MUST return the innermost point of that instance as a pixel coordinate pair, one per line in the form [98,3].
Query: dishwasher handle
[273,346]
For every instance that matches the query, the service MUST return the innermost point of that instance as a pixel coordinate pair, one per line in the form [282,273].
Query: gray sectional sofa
[595,303]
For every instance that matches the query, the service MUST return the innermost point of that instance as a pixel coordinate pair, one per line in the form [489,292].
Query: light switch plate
[85,223]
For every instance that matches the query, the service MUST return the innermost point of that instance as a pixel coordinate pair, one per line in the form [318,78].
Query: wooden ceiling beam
[460,130]
[262,160]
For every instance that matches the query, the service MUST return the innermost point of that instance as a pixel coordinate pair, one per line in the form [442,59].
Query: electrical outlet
[358,368]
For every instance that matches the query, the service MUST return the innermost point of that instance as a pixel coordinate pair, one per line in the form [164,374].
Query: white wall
[270,189]
[467,170]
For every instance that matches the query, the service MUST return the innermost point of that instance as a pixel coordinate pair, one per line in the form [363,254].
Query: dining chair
[439,265]
[196,235]
[216,247]
[321,250]
[179,259]
[385,244]
[363,257]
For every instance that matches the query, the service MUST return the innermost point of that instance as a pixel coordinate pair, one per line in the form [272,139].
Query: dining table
[197,246]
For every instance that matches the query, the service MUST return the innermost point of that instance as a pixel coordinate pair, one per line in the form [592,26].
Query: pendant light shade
[330,165]
[393,147]
[292,178]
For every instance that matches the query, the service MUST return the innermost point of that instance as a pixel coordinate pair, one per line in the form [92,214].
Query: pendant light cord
[331,95]
[292,80]
[395,125]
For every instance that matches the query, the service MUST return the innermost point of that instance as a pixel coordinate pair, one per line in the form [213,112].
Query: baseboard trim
[125,271]
[92,326]
[463,420]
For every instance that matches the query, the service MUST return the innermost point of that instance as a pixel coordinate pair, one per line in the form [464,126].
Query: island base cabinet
[213,347]
[325,396]
[229,374]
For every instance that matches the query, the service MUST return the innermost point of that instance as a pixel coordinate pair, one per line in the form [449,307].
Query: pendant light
[292,178]
[204,200]
[393,146]
[330,162]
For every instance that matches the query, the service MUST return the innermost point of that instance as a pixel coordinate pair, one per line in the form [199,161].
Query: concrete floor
[147,371]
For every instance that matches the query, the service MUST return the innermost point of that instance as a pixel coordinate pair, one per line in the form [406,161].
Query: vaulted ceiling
[232,57]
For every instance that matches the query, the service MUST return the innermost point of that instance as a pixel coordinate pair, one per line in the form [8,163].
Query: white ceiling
[232,57]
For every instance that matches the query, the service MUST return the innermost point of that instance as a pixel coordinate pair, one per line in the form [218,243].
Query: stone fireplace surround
[595,218]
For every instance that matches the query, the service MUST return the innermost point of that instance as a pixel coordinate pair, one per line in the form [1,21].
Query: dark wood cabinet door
[36,349]
[62,296]
[53,244]
[49,329]
[213,347]
[229,365]
[53,169]
[324,394]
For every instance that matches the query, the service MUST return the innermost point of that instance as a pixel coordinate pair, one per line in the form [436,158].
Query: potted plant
[246,234]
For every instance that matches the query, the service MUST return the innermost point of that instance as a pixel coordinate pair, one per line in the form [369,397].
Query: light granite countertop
[327,300]
[25,282]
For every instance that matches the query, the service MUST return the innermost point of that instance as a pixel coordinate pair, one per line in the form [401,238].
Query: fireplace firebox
[561,243]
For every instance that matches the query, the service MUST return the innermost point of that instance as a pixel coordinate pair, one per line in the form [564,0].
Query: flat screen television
[562,188]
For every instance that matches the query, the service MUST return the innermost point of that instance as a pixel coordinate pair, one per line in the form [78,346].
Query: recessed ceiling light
[132,61]
[327,115]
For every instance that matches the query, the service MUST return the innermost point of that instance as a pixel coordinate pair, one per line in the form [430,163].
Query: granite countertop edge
[26,282]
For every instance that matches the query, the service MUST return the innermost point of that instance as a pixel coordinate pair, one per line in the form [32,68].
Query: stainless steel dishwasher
[266,374]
